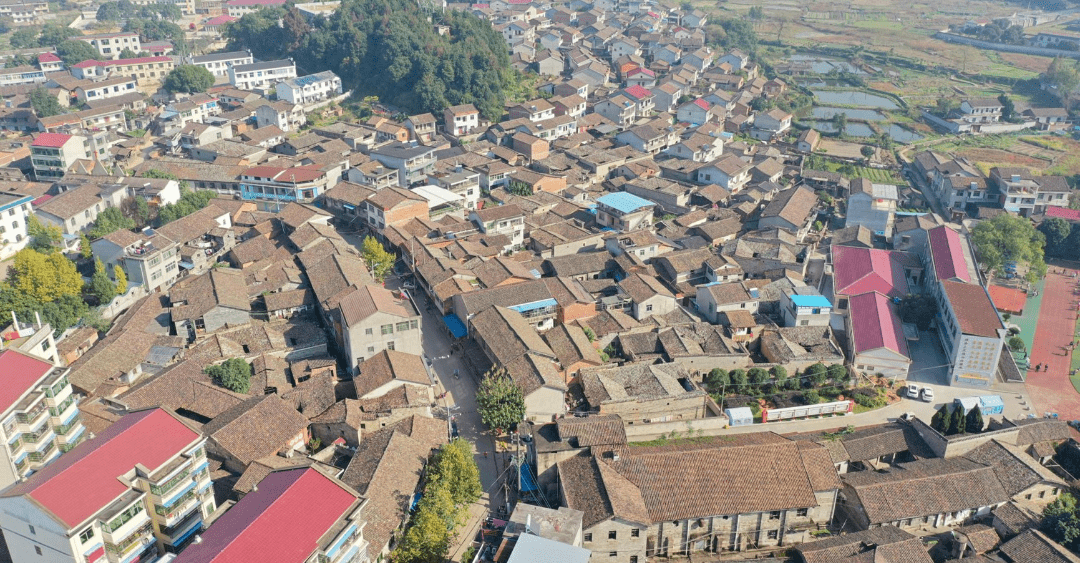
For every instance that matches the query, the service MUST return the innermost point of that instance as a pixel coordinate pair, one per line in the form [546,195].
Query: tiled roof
[1032,546]
[72,202]
[124,348]
[371,299]
[387,366]
[974,311]
[859,270]
[923,488]
[1015,470]
[598,430]
[80,483]
[220,287]
[264,525]
[792,205]
[258,427]
[886,544]
[948,254]
[875,323]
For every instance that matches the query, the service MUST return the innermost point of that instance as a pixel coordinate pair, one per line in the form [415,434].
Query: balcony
[62,431]
[59,410]
[176,531]
[178,506]
[39,456]
[56,389]
[128,545]
[168,486]
[31,418]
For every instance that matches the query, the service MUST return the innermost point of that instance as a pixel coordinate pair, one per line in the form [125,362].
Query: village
[680,300]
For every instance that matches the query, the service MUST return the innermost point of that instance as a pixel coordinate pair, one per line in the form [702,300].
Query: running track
[1051,391]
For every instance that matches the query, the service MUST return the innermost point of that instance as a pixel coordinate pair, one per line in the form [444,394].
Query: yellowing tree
[121,280]
[45,277]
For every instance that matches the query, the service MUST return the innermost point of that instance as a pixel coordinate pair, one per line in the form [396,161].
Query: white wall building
[309,89]
[262,74]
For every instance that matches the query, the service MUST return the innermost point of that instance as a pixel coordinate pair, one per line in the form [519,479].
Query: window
[633,559]
[413,325]
[611,535]
[370,349]
[387,329]
[613,554]
[802,512]
[34,531]
[403,326]
[86,534]
[804,322]
[773,534]
[37,549]
[635,533]
[588,537]
[390,345]
[648,307]
[774,515]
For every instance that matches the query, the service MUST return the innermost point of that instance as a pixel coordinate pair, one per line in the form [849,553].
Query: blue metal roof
[527,482]
[535,305]
[624,202]
[810,301]
[457,328]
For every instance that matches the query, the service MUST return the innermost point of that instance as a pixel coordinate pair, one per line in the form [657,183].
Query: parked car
[913,391]
[928,394]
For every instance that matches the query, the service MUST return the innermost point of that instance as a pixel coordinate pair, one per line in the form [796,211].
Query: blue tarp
[535,305]
[415,501]
[527,481]
[991,404]
[457,328]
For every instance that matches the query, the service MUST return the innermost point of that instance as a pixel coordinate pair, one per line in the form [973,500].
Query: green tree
[756,13]
[867,151]
[156,30]
[918,309]
[454,468]
[74,52]
[1008,237]
[43,237]
[500,401]
[738,380]
[781,376]
[1016,344]
[378,259]
[757,376]
[110,220]
[816,375]
[233,374]
[127,53]
[85,250]
[100,285]
[189,79]
[589,334]
[56,34]
[940,420]
[1057,231]
[44,103]
[973,422]
[957,422]
[811,397]
[44,277]
[839,121]
[427,538]
[1061,521]
[24,38]
[838,373]
[121,280]
[1008,112]
[190,202]
[717,380]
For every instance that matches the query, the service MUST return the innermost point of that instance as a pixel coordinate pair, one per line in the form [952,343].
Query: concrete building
[623,211]
[413,162]
[238,8]
[306,90]
[372,319]
[137,491]
[110,45]
[461,120]
[149,259]
[40,415]
[804,306]
[53,153]
[261,75]
[143,70]
[21,75]
[219,63]
[15,211]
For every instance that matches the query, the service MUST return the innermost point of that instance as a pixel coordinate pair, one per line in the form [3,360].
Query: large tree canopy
[389,48]
[1007,237]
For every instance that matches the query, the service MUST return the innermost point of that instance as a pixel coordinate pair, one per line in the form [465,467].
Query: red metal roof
[85,480]
[21,372]
[299,174]
[702,104]
[861,270]
[48,58]
[948,253]
[638,92]
[282,521]
[1064,213]
[135,61]
[875,323]
[54,140]
[220,20]
[263,171]
[641,70]
[255,2]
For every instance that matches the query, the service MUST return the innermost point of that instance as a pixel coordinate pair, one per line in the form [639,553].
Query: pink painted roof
[948,254]
[282,521]
[641,70]
[48,58]
[53,140]
[85,480]
[875,324]
[220,20]
[1064,213]
[859,270]
[255,2]
[87,64]
[702,104]
[19,373]
[638,92]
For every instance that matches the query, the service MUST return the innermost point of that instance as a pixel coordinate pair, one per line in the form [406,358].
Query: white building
[21,75]
[219,63]
[461,120]
[15,210]
[110,45]
[139,489]
[309,89]
[262,74]
[52,154]
[40,417]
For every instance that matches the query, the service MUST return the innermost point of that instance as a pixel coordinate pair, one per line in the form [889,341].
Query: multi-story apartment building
[53,153]
[40,418]
[148,259]
[273,186]
[624,211]
[143,70]
[506,220]
[461,120]
[309,89]
[110,45]
[105,89]
[263,74]
[138,490]
[281,114]
[24,12]
[413,162]
[261,527]
[15,210]
[237,8]
[219,63]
